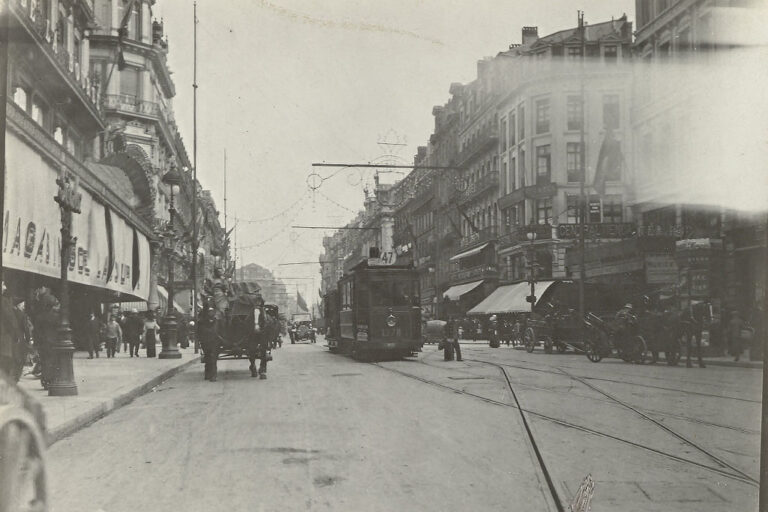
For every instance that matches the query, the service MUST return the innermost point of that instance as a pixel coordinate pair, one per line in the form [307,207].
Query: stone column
[153,302]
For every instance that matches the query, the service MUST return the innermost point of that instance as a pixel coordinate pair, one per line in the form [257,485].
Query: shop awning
[455,292]
[509,299]
[163,293]
[470,252]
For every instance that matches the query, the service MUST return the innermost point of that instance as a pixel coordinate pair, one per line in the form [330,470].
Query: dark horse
[244,330]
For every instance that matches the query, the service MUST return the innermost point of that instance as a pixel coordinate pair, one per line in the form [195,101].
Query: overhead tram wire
[273,217]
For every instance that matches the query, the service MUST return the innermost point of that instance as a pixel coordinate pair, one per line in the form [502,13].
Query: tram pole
[582,195]
[195,228]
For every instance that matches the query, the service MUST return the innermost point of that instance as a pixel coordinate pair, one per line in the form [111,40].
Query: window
[38,111]
[512,180]
[611,116]
[522,123]
[129,82]
[610,54]
[543,210]
[572,205]
[58,135]
[20,98]
[543,164]
[510,217]
[542,116]
[573,108]
[521,168]
[574,51]
[503,135]
[613,210]
[505,178]
[573,161]
[511,130]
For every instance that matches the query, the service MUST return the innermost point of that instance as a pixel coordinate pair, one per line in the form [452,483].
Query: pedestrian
[121,320]
[45,320]
[757,322]
[113,335]
[93,334]
[150,333]
[132,330]
[9,335]
[24,344]
[735,335]
[693,322]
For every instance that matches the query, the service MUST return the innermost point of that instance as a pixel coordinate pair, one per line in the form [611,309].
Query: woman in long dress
[150,333]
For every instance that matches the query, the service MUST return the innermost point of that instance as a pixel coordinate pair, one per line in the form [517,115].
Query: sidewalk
[103,385]
[744,362]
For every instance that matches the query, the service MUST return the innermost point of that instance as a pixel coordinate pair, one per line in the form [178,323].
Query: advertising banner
[31,241]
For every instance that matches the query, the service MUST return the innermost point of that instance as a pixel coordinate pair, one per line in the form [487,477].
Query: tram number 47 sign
[386,258]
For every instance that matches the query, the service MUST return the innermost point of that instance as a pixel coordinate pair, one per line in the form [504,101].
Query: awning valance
[509,299]
[455,292]
[470,252]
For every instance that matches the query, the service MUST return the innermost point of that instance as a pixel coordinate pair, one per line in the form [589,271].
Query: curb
[110,405]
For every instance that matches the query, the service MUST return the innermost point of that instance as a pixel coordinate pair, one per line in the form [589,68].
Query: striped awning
[455,292]
[509,299]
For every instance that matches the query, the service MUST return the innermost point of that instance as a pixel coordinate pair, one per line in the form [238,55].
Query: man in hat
[134,326]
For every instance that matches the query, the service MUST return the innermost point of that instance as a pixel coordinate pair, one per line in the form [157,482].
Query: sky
[285,83]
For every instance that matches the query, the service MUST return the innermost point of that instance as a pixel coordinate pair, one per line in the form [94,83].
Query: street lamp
[531,235]
[63,378]
[170,351]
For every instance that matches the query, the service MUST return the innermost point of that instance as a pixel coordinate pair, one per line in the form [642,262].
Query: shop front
[110,260]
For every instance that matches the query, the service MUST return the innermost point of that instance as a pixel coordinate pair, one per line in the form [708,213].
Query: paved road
[327,433]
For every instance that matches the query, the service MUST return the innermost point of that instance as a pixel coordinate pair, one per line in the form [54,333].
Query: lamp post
[531,235]
[170,351]
[63,378]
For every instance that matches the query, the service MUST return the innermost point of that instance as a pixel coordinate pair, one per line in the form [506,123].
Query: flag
[608,162]
[300,302]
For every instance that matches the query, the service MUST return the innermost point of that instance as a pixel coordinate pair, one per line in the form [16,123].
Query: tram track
[733,474]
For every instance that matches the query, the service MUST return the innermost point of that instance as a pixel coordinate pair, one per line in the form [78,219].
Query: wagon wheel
[22,470]
[673,352]
[547,345]
[639,350]
[529,339]
[593,351]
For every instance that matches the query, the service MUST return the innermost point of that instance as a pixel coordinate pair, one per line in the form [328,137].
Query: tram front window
[388,293]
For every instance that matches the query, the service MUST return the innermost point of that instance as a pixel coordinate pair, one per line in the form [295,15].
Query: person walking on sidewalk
[113,335]
[93,334]
[734,334]
[132,332]
[9,336]
[694,318]
[150,333]
[45,320]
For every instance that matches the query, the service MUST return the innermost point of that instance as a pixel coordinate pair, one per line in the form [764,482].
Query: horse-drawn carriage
[246,328]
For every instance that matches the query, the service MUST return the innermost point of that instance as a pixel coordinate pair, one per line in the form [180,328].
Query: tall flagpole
[582,196]
[195,242]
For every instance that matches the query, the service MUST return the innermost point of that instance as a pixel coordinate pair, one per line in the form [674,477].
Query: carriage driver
[218,287]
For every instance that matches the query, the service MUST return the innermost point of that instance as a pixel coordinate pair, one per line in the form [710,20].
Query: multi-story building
[558,89]
[684,47]
[54,117]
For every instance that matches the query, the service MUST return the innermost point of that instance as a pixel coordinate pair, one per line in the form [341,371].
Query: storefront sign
[660,269]
[114,257]
[602,230]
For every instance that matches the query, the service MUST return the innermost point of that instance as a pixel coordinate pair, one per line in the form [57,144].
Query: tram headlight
[391,321]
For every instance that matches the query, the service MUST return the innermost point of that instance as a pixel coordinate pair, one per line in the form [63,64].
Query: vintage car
[302,329]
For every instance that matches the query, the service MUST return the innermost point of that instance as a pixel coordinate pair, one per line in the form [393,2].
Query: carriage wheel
[592,351]
[529,338]
[673,352]
[22,470]
[639,350]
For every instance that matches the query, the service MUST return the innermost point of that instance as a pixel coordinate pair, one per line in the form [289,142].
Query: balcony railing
[37,23]
[485,271]
[484,235]
[134,105]
[519,234]
[487,182]
[487,138]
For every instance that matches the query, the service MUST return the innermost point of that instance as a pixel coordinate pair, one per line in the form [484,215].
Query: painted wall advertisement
[108,253]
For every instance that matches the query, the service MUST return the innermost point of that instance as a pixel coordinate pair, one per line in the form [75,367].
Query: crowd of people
[30,330]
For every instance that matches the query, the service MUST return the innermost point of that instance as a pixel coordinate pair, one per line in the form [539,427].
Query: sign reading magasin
[108,252]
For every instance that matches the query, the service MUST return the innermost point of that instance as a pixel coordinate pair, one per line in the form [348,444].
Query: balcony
[485,271]
[484,235]
[33,19]
[127,104]
[485,140]
[519,234]
[488,182]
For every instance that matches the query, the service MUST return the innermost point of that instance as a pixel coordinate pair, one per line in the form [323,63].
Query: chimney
[530,34]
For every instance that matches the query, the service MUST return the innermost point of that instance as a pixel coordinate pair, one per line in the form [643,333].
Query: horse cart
[555,329]
[247,329]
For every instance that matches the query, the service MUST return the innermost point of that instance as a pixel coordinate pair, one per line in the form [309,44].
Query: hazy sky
[284,83]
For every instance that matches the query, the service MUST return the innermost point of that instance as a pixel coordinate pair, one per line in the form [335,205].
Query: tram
[378,312]
[331,319]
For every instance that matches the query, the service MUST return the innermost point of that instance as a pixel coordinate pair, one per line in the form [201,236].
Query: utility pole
[195,229]
[5,15]
[582,196]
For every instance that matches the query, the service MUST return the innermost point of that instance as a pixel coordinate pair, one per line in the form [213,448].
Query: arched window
[58,135]
[20,98]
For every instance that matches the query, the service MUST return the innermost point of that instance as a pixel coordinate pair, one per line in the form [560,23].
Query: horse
[243,330]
